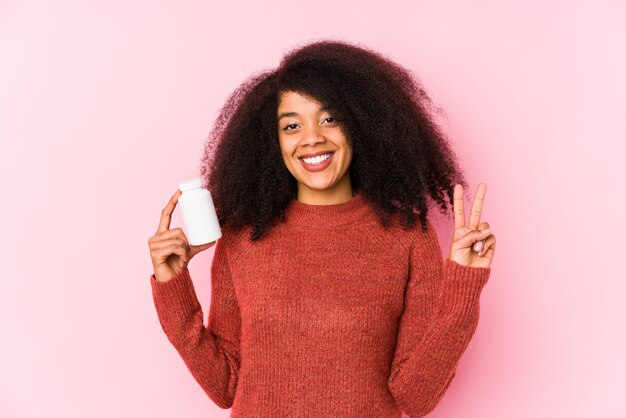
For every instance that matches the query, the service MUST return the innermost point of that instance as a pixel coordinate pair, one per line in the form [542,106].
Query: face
[313,146]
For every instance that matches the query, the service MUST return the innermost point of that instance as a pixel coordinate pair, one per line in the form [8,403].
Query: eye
[286,128]
[332,119]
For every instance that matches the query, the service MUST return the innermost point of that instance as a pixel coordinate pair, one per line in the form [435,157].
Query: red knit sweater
[329,315]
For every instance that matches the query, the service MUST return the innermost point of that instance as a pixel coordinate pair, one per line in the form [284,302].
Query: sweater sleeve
[211,353]
[440,316]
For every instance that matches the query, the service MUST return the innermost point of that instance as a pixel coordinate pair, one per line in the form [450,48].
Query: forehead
[292,100]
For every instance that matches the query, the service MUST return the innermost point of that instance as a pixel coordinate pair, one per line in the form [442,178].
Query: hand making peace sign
[473,245]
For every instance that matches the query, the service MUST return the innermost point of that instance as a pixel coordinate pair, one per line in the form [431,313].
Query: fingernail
[478,246]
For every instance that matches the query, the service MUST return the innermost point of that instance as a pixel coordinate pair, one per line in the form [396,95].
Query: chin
[318,187]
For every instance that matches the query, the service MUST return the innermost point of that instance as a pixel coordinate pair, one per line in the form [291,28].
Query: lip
[315,154]
[319,167]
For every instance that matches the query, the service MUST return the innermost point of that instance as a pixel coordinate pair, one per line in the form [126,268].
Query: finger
[479,245]
[178,233]
[477,206]
[457,207]
[489,252]
[181,236]
[166,242]
[489,242]
[166,213]
[163,253]
[195,249]
[170,233]
[471,237]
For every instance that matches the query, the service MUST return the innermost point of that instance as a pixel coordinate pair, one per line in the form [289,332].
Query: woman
[327,298]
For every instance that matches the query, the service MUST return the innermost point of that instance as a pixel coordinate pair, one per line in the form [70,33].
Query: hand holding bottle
[169,249]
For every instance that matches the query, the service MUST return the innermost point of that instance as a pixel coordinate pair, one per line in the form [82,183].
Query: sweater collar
[299,213]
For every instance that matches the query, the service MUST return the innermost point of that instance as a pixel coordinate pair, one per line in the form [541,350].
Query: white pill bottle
[199,216]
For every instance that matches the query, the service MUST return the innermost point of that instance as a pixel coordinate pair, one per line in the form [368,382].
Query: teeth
[318,159]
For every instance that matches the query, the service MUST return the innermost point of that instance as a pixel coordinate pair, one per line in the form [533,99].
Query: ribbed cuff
[175,300]
[462,287]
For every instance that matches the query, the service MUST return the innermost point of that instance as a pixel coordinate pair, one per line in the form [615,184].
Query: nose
[313,136]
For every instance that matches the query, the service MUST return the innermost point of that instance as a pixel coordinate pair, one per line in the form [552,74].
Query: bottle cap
[190,184]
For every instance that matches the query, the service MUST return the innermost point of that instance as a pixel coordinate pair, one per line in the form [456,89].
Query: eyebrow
[288,114]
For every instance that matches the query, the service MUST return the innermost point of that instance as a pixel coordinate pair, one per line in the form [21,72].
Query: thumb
[195,249]
[471,237]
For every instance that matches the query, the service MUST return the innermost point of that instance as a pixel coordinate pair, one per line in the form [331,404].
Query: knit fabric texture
[329,315]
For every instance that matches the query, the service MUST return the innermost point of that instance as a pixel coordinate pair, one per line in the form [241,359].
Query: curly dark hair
[400,159]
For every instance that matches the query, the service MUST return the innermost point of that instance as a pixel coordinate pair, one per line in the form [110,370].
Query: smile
[316,160]
[317,163]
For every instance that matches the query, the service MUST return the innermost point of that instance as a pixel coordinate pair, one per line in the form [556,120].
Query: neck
[326,215]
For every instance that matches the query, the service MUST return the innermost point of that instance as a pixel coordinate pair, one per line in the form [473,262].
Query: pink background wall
[104,108]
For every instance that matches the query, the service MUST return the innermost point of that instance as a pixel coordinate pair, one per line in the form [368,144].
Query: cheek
[348,163]
[283,148]
[348,150]
[286,159]
[286,153]
[348,159]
